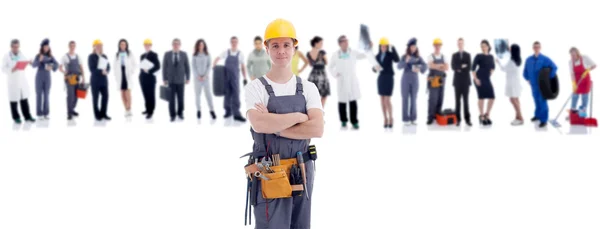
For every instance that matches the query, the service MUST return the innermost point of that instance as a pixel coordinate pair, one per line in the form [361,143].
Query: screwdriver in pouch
[300,159]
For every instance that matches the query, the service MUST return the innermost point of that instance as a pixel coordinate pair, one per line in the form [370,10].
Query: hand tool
[260,175]
[300,159]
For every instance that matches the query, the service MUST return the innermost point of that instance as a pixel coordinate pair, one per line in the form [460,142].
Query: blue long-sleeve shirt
[534,64]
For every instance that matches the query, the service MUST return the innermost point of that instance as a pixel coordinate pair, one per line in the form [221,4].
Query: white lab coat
[131,66]
[344,70]
[18,87]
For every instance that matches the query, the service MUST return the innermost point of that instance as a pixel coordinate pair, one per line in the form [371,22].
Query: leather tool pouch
[73,79]
[436,82]
[278,185]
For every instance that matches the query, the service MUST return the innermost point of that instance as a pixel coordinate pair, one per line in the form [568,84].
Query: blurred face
[122,46]
[234,43]
[574,55]
[319,45]
[437,48]
[147,47]
[461,45]
[46,48]
[344,44]
[201,46]
[281,51]
[258,44]
[72,47]
[537,48]
[413,48]
[485,48]
[15,48]
[176,45]
[98,48]
[384,48]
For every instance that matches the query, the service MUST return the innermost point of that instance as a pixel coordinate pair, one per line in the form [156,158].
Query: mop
[555,122]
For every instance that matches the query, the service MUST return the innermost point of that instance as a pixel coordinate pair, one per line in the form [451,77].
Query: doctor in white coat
[18,87]
[342,66]
[125,68]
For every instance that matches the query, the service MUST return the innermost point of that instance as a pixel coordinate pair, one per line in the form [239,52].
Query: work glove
[585,74]
[574,86]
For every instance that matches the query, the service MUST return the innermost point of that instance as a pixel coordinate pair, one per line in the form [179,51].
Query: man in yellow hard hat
[148,79]
[285,112]
[435,82]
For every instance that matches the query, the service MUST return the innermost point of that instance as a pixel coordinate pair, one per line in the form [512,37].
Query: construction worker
[234,62]
[72,67]
[99,68]
[436,80]
[148,79]
[18,87]
[285,112]
[531,73]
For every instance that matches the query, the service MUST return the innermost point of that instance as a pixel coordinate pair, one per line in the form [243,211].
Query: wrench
[260,175]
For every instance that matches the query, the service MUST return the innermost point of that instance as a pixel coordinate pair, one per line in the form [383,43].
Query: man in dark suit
[176,73]
[148,79]
[461,64]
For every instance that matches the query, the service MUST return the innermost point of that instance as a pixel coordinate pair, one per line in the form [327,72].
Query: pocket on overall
[278,185]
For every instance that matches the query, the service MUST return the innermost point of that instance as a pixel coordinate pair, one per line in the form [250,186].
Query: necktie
[176,59]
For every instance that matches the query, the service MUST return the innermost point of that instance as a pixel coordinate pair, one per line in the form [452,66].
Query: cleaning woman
[580,66]
[285,113]
[45,63]
[317,59]
[385,82]
[483,68]
[513,80]
[412,64]
[296,60]
[125,67]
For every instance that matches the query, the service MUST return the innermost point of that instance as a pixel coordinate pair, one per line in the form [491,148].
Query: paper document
[22,64]
[146,65]
[102,63]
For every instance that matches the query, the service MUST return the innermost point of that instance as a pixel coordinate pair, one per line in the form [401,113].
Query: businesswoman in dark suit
[385,82]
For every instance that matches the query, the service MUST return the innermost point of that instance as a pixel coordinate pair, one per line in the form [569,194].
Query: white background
[139,174]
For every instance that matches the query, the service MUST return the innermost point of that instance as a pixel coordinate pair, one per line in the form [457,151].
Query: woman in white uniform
[18,87]
[125,67]
[513,81]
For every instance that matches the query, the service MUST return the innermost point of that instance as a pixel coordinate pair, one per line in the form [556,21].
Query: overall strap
[299,88]
[267,86]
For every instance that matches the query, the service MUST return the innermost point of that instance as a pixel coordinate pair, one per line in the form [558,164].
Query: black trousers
[97,91]
[462,95]
[149,91]
[177,92]
[353,112]
[14,109]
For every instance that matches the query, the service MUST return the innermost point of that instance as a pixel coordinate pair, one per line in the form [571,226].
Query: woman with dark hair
[513,80]
[45,63]
[412,64]
[483,67]
[125,67]
[317,60]
[385,82]
[201,68]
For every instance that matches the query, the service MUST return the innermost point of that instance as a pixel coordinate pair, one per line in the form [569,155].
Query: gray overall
[291,212]
[72,68]
[409,87]
[232,85]
[43,81]
[436,95]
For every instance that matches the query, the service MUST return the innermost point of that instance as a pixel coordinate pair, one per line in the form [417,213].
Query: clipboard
[102,63]
[21,65]
[146,64]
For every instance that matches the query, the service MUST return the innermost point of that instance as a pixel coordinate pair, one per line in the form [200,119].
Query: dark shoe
[145,112]
[469,123]
[172,119]
[213,115]
[198,115]
[344,124]
[457,123]
[30,120]
[430,121]
[227,115]
[355,126]
[107,118]
[18,121]
[70,117]
[543,124]
[75,114]
[534,119]
[239,119]
[391,126]
[148,116]
[180,117]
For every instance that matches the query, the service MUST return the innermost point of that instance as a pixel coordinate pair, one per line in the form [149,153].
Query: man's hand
[464,66]
[187,82]
[477,82]
[406,58]
[261,108]
[201,78]
[104,72]
[41,58]
[166,83]
[145,71]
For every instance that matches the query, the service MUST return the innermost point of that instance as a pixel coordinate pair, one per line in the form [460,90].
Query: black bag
[219,80]
[549,87]
[165,93]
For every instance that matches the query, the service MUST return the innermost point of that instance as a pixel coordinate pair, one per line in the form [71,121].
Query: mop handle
[592,99]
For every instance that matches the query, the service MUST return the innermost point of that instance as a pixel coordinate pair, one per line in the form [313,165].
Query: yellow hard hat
[97,42]
[280,28]
[384,41]
[147,42]
[437,41]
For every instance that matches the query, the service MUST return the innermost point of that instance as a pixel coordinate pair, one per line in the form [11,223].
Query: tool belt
[436,81]
[277,181]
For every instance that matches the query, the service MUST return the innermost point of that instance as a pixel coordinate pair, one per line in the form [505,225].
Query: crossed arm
[292,125]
